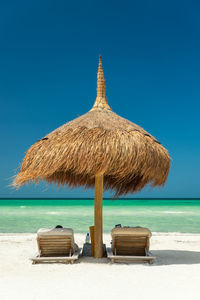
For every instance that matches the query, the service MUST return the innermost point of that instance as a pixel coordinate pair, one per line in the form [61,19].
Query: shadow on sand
[176,257]
[164,258]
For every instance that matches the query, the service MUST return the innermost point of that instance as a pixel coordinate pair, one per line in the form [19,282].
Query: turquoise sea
[159,215]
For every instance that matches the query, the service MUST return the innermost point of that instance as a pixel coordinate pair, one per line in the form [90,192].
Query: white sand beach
[174,275]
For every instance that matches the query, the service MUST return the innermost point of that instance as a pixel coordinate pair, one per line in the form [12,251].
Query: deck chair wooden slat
[130,245]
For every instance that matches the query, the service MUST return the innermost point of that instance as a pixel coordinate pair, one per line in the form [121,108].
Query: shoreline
[104,233]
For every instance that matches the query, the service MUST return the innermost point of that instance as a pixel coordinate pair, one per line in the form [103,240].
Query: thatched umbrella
[98,149]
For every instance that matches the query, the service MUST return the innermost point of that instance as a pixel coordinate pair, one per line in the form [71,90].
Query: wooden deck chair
[56,245]
[130,244]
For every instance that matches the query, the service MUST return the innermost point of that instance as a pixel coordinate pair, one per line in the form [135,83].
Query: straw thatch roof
[98,142]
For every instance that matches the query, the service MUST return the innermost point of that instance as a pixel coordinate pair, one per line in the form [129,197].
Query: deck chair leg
[150,262]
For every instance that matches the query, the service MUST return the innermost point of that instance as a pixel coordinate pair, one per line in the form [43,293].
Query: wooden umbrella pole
[98,224]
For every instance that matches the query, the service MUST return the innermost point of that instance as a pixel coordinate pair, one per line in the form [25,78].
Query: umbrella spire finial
[101,85]
[101,100]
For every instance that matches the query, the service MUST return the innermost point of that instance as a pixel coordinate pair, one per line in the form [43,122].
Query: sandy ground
[174,275]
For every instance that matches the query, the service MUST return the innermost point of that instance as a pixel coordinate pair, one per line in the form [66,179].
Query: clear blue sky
[151,59]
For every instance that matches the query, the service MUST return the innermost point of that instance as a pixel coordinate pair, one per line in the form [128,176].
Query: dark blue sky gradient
[151,58]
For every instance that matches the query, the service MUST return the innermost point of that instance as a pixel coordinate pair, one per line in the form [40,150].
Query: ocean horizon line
[92,198]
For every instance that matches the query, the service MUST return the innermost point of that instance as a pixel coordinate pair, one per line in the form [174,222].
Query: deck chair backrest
[130,245]
[55,245]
